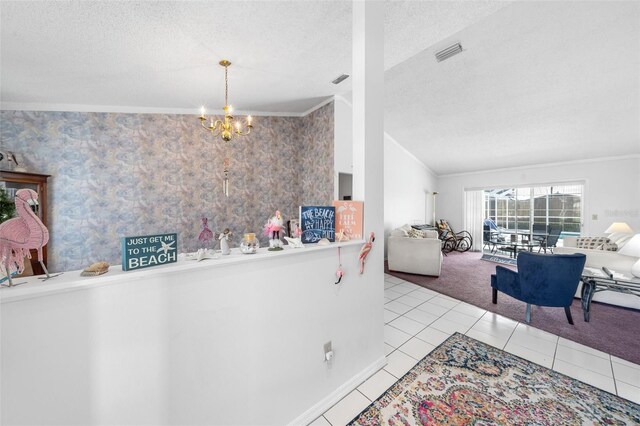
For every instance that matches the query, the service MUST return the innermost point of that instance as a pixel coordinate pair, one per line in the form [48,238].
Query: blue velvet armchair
[542,279]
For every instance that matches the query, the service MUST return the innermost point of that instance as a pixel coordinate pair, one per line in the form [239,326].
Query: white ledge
[72,281]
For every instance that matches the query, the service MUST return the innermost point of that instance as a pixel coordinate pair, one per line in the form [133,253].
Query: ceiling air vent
[448,52]
[340,79]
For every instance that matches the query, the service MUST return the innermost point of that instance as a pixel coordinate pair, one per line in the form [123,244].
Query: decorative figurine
[203,253]
[224,238]
[206,235]
[273,228]
[339,271]
[364,251]
[294,242]
[342,235]
[324,242]
[22,233]
[97,268]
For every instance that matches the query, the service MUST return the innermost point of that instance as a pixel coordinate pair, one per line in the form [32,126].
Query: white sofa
[614,261]
[421,256]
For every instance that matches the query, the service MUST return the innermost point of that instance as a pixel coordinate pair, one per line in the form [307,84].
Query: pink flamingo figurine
[206,234]
[364,251]
[20,234]
[273,228]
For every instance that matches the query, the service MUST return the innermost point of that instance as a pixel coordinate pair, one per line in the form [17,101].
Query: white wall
[342,139]
[237,340]
[408,183]
[612,189]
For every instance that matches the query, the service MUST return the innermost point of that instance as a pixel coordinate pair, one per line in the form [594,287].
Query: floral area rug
[466,382]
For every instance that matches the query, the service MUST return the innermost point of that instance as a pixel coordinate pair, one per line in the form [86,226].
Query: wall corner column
[368,120]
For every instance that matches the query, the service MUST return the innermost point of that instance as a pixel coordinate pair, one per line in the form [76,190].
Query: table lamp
[632,248]
[620,227]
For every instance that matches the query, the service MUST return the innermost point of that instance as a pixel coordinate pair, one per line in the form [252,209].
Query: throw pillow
[609,247]
[619,238]
[399,233]
[406,227]
[592,243]
[416,233]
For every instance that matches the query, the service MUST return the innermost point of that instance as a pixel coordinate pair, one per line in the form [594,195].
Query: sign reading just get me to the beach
[148,250]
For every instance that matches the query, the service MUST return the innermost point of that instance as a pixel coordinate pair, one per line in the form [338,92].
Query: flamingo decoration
[20,234]
[206,234]
[364,251]
[273,228]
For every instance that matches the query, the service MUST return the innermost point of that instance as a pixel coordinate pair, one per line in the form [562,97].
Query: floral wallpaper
[137,174]
[316,163]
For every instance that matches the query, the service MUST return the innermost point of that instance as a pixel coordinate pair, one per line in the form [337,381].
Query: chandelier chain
[226,86]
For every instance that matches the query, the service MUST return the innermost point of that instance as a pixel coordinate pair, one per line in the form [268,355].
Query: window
[518,209]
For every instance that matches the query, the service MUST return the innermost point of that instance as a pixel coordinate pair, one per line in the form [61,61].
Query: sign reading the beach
[148,250]
[317,222]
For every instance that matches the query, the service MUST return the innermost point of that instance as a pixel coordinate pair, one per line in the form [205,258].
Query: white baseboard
[330,400]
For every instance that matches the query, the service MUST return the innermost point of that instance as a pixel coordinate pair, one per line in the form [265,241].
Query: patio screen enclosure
[517,209]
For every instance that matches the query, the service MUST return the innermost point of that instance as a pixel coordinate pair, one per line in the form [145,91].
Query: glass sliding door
[565,208]
[530,210]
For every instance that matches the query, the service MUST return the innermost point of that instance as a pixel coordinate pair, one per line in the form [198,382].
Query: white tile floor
[417,320]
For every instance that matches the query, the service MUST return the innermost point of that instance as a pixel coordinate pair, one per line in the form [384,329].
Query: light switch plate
[327,348]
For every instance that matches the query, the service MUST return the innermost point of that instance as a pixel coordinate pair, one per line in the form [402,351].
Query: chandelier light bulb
[202,111]
[249,119]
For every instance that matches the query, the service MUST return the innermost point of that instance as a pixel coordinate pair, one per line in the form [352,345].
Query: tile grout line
[510,336]
[613,374]
[360,392]
[555,352]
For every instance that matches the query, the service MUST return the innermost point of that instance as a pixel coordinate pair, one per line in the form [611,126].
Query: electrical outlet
[594,217]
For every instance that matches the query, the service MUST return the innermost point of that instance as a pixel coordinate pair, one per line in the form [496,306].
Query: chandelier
[228,128]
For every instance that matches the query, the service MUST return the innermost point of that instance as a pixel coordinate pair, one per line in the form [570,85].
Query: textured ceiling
[163,55]
[538,82]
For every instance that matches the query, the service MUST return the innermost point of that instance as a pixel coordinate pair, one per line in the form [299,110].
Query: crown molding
[543,165]
[195,111]
[318,106]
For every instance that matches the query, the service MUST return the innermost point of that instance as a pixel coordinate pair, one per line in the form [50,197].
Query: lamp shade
[632,248]
[619,227]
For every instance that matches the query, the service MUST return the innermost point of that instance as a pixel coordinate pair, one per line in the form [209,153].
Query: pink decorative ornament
[273,228]
[206,235]
[364,251]
[339,271]
[21,234]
